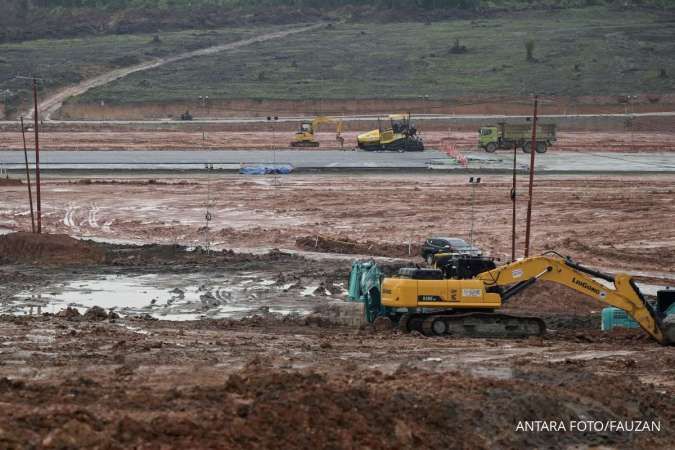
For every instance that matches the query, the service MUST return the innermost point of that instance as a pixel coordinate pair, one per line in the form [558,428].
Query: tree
[529,50]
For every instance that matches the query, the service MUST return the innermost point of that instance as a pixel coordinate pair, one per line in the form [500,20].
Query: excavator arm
[623,292]
[305,136]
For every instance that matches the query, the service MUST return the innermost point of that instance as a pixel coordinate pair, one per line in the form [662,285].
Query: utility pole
[30,194]
[513,200]
[473,182]
[37,158]
[533,150]
[272,120]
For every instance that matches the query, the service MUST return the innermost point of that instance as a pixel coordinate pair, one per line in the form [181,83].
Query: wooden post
[533,150]
[30,194]
[513,200]
[37,159]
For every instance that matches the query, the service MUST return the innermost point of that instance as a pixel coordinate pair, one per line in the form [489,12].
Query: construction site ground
[277,357]
[214,138]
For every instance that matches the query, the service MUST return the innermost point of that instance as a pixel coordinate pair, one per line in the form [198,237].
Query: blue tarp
[265,170]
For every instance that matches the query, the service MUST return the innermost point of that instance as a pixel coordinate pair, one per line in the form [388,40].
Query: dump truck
[462,295]
[506,136]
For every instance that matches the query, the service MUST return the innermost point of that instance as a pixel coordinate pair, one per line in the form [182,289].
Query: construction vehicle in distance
[397,134]
[506,136]
[460,299]
[304,137]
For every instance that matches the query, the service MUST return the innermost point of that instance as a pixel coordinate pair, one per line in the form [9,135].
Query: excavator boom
[623,293]
[438,302]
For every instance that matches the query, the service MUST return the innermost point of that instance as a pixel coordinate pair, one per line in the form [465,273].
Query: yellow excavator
[304,137]
[450,301]
[397,134]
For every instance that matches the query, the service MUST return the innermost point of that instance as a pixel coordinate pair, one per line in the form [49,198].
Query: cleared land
[305,381]
[616,222]
[589,51]
[236,140]
[101,381]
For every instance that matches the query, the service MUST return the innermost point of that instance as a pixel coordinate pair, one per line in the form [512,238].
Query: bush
[529,50]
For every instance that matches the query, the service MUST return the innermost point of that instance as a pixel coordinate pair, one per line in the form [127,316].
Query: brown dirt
[345,245]
[271,384]
[555,299]
[457,106]
[100,381]
[438,138]
[9,182]
[611,222]
[47,249]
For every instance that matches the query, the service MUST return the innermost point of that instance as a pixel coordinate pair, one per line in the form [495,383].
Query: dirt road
[52,103]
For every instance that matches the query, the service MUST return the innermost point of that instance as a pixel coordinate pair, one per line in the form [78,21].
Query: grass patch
[62,62]
[589,51]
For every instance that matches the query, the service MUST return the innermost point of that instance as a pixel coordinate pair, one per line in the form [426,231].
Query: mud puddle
[171,296]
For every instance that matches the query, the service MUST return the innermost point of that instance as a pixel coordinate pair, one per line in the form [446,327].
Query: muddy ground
[302,377]
[615,141]
[611,222]
[306,381]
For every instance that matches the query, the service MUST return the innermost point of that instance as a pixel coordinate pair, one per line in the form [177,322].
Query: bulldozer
[458,297]
[304,137]
[397,134]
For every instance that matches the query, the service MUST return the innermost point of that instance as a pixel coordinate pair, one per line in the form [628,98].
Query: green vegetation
[68,61]
[589,51]
[30,19]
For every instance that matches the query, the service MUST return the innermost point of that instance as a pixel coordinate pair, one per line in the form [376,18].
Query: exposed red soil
[611,222]
[47,249]
[346,245]
[458,106]
[9,182]
[273,384]
[435,138]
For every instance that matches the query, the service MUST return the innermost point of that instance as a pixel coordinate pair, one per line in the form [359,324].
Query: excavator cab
[304,137]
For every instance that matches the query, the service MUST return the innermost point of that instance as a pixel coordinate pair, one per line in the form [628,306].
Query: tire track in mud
[69,217]
[54,102]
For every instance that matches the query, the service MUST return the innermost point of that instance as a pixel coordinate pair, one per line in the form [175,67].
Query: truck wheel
[541,147]
[491,147]
[527,147]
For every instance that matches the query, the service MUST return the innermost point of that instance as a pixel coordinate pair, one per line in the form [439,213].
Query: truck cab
[488,138]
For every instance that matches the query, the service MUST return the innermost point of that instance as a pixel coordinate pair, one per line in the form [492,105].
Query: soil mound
[553,298]
[48,249]
[349,246]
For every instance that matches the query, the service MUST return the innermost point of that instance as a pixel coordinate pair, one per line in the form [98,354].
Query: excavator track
[475,324]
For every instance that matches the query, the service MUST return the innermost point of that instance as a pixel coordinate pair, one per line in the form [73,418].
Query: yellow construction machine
[397,133]
[450,301]
[304,137]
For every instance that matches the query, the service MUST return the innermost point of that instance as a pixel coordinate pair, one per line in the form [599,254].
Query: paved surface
[186,160]
[349,118]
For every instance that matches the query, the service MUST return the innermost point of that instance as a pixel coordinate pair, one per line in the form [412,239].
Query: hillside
[581,52]
[31,19]
[597,50]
